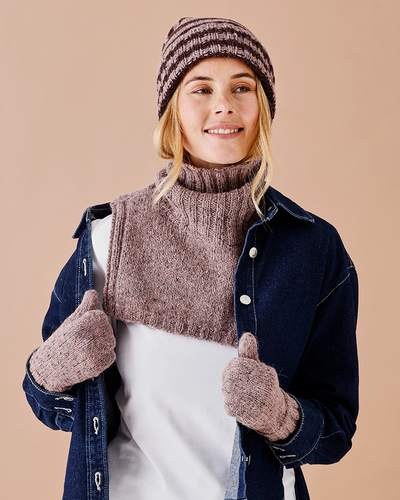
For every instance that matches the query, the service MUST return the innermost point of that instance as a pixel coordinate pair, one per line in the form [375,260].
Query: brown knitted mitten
[253,396]
[81,348]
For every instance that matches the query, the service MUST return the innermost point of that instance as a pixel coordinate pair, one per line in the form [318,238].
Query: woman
[207,260]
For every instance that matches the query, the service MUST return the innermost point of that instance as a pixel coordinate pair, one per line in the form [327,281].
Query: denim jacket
[296,291]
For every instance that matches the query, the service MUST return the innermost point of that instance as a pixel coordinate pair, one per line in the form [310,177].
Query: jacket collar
[92,213]
[275,199]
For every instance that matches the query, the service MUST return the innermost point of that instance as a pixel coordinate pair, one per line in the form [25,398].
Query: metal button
[245,299]
[253,252]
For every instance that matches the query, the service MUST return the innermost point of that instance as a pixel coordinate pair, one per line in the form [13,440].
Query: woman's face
[218,109]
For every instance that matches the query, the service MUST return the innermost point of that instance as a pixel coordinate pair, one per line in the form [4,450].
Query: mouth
[223,131]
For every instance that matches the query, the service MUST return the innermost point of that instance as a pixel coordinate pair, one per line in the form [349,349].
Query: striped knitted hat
[192,39]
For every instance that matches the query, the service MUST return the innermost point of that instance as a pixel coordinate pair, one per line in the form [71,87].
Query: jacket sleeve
[56,410]
[325,384]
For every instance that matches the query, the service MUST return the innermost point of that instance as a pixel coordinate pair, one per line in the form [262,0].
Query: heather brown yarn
[81,348]
[253,396]
[172,267]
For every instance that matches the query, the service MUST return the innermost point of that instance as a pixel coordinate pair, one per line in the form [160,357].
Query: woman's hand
[253,396]
[81,348]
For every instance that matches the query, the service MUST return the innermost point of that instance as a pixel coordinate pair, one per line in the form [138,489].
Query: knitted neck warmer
[172,267]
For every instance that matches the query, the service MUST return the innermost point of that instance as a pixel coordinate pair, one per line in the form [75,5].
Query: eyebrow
[208,79]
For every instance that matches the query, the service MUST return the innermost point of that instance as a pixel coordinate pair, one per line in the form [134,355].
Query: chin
[225,159]
[218,160]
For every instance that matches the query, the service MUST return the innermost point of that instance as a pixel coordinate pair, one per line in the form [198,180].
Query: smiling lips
[223,131]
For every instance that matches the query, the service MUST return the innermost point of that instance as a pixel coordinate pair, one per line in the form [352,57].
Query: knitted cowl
[172,267]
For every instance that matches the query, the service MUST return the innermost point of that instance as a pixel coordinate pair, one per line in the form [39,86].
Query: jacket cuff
[294,451]
[56,410]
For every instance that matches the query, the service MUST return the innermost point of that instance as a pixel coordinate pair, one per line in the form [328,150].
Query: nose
[223,104]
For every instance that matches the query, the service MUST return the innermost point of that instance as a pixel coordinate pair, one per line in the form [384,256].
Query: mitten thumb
[89,303]
[248,347]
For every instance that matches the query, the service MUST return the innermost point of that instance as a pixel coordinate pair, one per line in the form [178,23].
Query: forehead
[227,66]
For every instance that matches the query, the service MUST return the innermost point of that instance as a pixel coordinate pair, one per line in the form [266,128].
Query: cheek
[254,110]
[249,111]
[252,117]
[190,116]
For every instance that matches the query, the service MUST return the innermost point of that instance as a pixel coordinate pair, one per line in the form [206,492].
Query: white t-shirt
[175,439]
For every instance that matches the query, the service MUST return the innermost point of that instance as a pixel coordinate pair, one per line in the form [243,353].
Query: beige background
[78,106]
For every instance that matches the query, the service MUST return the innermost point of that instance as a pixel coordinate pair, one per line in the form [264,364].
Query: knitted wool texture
[192,39]
[253,396]
[81,348]
[172,267]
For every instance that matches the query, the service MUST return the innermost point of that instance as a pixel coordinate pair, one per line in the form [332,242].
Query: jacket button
[245,299]
[253,252]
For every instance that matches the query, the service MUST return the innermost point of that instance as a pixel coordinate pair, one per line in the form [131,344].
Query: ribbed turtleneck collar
[213,203]
[217,180]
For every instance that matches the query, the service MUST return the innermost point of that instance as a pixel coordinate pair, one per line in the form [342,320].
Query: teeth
[223,131]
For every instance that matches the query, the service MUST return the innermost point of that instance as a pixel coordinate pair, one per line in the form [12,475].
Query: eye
[242,89]
[202,90]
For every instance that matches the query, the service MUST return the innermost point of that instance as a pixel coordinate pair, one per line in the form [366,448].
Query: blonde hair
[168,142]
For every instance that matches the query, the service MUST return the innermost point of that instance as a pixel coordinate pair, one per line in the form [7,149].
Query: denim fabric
[303,295]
